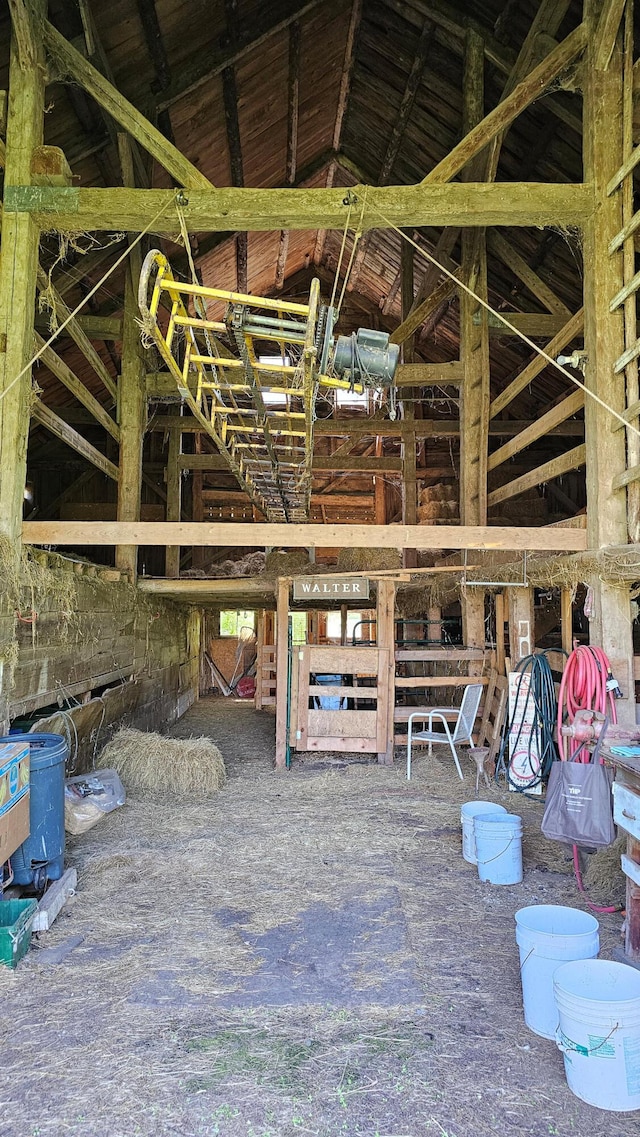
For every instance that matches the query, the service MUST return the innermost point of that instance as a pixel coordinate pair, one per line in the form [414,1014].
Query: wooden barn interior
[319,410]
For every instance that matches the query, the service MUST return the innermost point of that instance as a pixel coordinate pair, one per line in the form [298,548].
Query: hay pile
[250,565]
[365,560]
[603,877]
[439,504]
[284,562]
[180,766]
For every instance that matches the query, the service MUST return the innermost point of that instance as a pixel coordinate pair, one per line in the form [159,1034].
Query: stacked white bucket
[590,1006]
[492,840]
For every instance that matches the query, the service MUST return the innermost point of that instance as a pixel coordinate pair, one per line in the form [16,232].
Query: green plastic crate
[16,920]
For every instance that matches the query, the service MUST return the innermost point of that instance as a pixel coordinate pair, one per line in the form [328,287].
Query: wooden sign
[331,588]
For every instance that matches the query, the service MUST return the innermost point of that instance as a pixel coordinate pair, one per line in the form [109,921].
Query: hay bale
[282,562]
[430,511]
[361,560]
[180,766]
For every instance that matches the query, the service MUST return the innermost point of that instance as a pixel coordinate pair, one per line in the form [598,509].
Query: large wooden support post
[18,272]
[474,352]
[610,626]
[408,444]
[521,623]
[282,672]
[132,401]
[386,638]
[174,498]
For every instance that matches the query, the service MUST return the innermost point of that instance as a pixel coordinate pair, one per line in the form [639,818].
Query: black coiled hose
[542,749]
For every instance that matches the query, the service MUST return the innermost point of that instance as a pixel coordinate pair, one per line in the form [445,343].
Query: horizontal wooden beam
[424,374]
[533,324]
[546,423]
[233,534]
[572,460]
[348,463]
[460,204]
[47,418]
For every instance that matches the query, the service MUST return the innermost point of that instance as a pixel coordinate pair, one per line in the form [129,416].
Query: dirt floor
[305,953]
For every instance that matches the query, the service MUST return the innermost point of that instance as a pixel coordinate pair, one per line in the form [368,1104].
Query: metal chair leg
[455,758]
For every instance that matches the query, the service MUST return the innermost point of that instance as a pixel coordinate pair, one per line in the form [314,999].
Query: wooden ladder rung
[627,356]
[624,293]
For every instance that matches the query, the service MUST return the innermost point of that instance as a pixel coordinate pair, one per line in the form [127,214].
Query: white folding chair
[462,729]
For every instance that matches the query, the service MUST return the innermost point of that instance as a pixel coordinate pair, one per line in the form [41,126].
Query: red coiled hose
[584,687]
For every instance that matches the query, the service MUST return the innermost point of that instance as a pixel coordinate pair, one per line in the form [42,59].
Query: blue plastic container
[41,856]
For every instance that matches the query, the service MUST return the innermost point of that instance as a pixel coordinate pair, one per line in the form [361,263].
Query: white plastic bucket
[598,1005]
[499,848]
[468,813]
[548,935]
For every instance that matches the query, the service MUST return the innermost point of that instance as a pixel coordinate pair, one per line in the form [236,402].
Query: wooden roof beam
[154,41]
[72,64]
[49,419]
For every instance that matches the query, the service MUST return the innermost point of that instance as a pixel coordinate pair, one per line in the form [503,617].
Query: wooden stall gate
[352,728]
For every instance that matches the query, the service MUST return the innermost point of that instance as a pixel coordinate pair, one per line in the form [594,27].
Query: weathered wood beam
[572,328]
[347,71]
[28,44]
[444,292]
[67,277]
[529,89]
[49,419]
[533,324]
[572,460]
[76,329]
[425,374]
[252,535]
[397,134]
[234,143]
[174,500]
[547,21]
[72,64]
[509,256]
[18,270]
[606,32]
[267,210]
[474,344]
[63,372]
[569,406]
[132,395]
[293,106]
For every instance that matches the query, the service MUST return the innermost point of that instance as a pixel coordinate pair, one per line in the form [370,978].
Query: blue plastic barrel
[41,856]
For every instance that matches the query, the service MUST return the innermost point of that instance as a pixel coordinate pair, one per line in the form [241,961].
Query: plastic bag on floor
[88,797]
